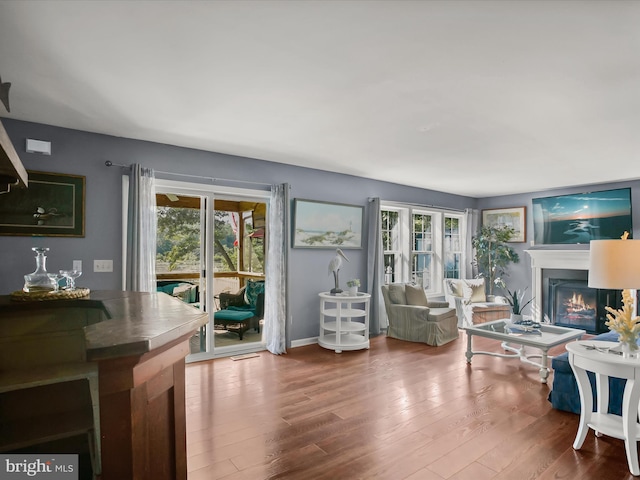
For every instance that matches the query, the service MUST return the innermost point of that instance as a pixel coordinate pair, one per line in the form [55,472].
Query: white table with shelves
[344,321]
[584,358]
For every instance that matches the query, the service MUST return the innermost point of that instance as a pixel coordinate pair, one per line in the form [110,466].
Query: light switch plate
[103,265]
[77,265]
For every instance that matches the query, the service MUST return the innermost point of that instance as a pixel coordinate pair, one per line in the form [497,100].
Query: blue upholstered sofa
[564,394]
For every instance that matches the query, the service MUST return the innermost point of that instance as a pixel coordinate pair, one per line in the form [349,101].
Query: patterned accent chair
[242,310]
[472,305]
[413,318]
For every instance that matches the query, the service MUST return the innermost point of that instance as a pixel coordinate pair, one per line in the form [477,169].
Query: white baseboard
[304,341]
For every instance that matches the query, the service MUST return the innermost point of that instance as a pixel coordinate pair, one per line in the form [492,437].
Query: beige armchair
[412,318]
[472,305]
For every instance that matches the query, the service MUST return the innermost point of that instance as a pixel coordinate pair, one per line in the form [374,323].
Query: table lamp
[615,264]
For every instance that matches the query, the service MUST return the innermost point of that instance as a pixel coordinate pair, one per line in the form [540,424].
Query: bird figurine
[42,215]
[334,267]
[4,94]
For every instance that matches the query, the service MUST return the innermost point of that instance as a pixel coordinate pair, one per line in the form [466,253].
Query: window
[422,246]
[391,244]
[422,250]
[452,247]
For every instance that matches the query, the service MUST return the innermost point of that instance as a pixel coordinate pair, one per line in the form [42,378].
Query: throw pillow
[415,295]
[477,294]
[397,295]
[457,288]
[251,292]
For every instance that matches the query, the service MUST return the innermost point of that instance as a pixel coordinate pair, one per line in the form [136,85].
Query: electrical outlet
[77,265]
[103,265]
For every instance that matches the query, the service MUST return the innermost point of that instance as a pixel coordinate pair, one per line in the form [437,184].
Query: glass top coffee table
[543,338]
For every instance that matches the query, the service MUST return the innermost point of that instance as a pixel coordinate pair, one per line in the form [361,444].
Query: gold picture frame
[514,217]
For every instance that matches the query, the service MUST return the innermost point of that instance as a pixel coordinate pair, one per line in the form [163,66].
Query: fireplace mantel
[561,259]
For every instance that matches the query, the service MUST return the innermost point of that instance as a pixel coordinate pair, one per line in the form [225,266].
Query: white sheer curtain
[141,231]
[375,269]
[471,223]
[275,305]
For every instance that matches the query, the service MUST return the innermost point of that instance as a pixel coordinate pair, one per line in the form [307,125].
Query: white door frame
[210,192]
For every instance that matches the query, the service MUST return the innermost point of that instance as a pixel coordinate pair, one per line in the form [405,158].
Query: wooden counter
[139,342]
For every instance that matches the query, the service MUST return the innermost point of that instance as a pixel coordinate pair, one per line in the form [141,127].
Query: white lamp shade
[614,264]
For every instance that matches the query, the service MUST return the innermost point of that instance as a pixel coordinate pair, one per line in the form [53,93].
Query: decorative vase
[516,318]
[629,347]
[353,291]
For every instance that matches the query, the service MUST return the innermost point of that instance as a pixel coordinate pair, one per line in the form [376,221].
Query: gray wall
[82,153]
[519,275]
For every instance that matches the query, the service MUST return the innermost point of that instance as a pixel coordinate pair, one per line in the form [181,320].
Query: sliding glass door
[210,245]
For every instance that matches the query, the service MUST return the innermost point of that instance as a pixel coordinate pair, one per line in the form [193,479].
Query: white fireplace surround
[559,259]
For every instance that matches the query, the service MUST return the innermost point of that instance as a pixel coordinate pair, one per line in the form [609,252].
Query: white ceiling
[478,98]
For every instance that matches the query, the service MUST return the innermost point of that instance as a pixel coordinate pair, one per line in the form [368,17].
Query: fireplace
[571,303]
[569,267]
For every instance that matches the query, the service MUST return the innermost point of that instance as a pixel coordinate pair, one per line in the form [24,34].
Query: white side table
[605,365]
[344,321]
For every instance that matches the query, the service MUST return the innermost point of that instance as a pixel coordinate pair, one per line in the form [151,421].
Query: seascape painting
[327,225]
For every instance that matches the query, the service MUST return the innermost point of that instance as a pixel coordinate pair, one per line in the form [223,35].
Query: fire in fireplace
[574,304]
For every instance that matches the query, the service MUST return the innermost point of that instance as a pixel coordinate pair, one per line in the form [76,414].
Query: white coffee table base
[542,364]
[551,337]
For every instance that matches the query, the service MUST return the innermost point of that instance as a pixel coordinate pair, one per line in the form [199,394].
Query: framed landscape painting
[53,205]
[515,218]
[326,225]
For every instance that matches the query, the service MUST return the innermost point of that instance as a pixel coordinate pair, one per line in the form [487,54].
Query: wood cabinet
[136,344]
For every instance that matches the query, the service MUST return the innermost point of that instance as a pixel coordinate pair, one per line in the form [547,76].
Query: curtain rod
[109,163]
[405,204]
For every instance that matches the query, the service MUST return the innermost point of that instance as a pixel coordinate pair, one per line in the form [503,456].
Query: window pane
[390,268]
[390,229]
[422,233]
[452,247]
[178,240]
[421,269]
[452,265]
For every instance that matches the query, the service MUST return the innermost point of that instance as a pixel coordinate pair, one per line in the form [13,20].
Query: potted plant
[516,300]
[353,285]
[493,255]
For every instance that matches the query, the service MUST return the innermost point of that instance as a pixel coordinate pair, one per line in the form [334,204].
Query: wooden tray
[23,296]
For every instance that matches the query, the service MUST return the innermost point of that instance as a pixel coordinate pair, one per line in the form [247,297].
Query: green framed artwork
[52,206]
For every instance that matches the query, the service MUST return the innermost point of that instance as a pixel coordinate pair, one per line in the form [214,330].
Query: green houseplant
[353,285]
[493,255]
[516,300]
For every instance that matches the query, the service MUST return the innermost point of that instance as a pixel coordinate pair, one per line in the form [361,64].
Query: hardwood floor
[400,410]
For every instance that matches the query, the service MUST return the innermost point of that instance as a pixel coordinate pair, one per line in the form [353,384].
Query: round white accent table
[605,364]
[344,321]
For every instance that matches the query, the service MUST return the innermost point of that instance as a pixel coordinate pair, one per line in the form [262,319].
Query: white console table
[344,321]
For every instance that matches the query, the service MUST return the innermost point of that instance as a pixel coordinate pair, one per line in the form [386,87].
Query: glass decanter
[40,280]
